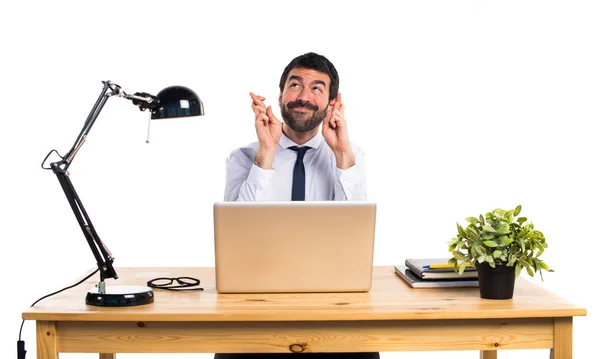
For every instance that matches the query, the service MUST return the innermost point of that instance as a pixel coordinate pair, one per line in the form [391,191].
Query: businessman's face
[305,99]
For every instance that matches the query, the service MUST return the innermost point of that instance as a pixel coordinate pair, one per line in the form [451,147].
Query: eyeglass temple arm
[103,256]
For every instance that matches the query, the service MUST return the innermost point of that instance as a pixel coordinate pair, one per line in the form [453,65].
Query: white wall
[462,106]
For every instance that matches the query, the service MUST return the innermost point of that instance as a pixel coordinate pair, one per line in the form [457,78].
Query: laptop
[294,247]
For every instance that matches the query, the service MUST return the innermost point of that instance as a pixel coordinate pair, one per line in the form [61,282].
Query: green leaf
[471,229]
[489,236]
[490,244]
[459,255]
[543,266]
[509,217]
[539,252]
[518,210]
[498,212]
[505,240]
[530,271]
[472,220]
[462,267]
[502,228]
[479,251]
[489,228]
[461,231]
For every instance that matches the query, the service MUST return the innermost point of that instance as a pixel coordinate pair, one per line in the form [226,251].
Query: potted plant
[499,245]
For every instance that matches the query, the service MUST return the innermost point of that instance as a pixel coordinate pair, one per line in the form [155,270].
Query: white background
[462,107]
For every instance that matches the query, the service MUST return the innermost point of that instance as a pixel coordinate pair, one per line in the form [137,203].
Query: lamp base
[120,296]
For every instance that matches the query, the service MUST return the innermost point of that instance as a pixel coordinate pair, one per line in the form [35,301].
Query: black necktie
[298,183]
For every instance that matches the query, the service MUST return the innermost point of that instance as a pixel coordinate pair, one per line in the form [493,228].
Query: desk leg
[563,339]
[46,340]
[108,356]
[488,354]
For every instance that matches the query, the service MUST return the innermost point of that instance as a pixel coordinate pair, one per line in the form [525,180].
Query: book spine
[417,270]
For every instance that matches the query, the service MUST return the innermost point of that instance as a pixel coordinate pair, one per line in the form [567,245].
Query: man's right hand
[268,131]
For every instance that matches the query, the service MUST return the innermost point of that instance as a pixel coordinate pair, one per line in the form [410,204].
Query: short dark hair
[312,61]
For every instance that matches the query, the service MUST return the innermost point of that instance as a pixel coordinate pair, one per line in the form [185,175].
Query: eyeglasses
[183,283]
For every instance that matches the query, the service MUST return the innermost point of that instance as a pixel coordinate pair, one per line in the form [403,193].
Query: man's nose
[304,95]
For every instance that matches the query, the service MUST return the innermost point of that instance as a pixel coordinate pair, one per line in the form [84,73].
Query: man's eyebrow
[320,82]
[315,82]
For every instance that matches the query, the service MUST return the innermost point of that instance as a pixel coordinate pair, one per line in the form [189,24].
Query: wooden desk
[391,317]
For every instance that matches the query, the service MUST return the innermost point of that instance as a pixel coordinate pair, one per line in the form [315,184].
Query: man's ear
[332,102]
[280,99]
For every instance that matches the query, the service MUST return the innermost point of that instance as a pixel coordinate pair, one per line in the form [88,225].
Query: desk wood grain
[390,317]
[389,299]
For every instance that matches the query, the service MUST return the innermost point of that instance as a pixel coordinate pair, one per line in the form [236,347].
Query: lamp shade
[177,101]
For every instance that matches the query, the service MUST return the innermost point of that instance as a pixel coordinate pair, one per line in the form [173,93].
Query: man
[333,167]
[293,160]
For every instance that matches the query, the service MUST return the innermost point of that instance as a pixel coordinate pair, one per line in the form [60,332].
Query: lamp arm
[104,258]
[141,99]
[108,90]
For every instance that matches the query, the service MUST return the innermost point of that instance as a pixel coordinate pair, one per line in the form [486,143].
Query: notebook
[422,267]
[292,247]
[416,282]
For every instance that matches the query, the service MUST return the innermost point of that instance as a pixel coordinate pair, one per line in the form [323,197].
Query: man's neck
[300,138]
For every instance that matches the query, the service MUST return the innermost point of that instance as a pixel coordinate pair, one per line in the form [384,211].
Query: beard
[302,121]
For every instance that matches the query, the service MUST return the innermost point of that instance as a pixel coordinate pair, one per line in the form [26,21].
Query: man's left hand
[335,132]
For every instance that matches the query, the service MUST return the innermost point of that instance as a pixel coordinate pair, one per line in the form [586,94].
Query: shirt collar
[314,142]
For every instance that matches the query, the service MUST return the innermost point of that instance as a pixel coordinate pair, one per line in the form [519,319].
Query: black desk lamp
[175,101]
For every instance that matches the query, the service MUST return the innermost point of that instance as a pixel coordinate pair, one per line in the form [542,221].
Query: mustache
[295,104]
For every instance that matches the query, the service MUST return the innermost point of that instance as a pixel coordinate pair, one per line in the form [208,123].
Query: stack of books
[435,273]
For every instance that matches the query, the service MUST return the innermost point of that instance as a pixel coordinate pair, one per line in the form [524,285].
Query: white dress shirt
[324,181]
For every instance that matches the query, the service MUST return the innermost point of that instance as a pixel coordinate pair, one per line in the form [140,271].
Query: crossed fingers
[336,115]
[259,108]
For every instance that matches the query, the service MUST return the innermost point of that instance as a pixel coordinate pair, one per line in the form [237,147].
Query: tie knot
[301,150]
